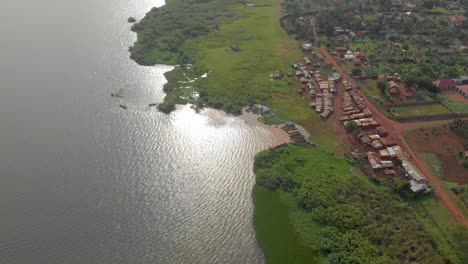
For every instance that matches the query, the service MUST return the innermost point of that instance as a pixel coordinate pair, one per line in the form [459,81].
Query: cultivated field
[442,142]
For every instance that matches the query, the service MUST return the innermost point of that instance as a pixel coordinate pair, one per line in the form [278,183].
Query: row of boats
[119,94]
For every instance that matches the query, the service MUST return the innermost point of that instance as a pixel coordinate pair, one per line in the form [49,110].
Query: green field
[235,79]
[433,109]
[433,162]
[454,106]
[450,238]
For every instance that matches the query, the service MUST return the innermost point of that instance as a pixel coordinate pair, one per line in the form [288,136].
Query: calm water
[84,181]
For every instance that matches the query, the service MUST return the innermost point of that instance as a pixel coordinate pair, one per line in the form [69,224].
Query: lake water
[85,181]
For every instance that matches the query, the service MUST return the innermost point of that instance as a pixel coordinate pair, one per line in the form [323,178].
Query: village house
[462,80]
[386,164]
[339,30]
[341,49]
[360,33]
[445,85]
[349,55]
[360,54]
[463,90]
[382,131]
[375,164]
[456,20]
[393,88]
[307,47]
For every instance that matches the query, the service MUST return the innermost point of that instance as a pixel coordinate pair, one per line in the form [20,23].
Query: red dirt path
[313,22]
[396,129]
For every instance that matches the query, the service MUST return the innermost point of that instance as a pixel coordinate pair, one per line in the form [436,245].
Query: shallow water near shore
[85,181]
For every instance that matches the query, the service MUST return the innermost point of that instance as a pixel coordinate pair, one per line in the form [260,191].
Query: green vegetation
[351,127]
[451,239]
[163,31]
[455,107]
[235,78]
[284,245]
[456,191]
[433,109]
[346,212]
[460,127]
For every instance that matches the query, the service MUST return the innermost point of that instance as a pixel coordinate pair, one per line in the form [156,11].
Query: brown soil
[445,145]
[455,96]
[396,129]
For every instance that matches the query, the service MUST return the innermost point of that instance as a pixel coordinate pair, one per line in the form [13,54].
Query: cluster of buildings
[357,58]
[354,109]
[320,90]
[395,85]
[382,151]
[387,157]
[297,135]
[459,84]
[384,155]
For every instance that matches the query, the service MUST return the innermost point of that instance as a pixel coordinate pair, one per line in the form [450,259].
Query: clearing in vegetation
[446,145]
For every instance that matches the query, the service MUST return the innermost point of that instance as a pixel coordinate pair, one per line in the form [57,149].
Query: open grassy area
[236,78]
[450,238]
[454,106]
[433,162]
[420,110]
[283,245]
[369,88]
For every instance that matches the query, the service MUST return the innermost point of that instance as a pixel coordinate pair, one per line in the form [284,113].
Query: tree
[351,127]
[356,71]
[382,85]
[410,79]
[426,83]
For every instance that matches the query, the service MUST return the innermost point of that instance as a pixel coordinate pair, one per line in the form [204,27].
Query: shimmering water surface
[85,181]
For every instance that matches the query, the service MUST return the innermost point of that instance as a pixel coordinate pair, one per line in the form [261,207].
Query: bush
[356,71]
[351,127]
[166,107]
[357,222]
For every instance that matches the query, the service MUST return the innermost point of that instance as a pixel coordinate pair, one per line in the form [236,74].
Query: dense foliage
[234,46]
[428,39]
[163,31]
[460,127]
[358,223]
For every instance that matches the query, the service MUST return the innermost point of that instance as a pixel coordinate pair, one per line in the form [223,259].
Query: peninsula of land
[325,201]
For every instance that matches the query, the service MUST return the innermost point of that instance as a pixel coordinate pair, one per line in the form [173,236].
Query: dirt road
[313,22]
[396,131]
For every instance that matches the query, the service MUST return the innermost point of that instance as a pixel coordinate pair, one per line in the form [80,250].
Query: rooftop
[444,83]
[464,88]
[457,18]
